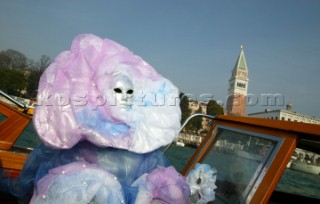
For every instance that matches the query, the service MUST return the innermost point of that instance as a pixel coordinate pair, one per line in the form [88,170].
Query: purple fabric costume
[77,99]
[102,114]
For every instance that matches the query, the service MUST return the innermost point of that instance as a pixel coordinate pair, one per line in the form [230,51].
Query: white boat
[248,155]
[180,143]
[305,167]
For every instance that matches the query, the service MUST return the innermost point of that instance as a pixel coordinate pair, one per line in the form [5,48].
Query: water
[179,156]
[300,183]
[28,138]
[2,117]
[291,181]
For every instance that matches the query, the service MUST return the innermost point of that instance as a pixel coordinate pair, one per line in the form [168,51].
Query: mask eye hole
[117,90]
[130,91]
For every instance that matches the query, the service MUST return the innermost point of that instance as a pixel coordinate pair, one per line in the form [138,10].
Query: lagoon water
[28,138]
[292,181]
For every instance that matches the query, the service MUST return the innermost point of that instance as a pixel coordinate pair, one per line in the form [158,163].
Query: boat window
[2,117]
[188,140]
[241,159]
[28,140]
[302,175]
[179,155]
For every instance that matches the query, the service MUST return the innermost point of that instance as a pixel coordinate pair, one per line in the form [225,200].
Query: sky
[193,43]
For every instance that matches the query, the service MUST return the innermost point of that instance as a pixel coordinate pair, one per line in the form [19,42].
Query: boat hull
[304,167]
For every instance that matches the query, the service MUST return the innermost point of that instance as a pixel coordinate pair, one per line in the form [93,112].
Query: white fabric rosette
[201,181]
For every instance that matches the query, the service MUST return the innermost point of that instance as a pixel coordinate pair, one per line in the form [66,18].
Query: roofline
[298,127]
[285,111]
[268,111]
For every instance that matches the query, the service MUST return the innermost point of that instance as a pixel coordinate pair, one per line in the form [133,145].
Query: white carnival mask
[123,89]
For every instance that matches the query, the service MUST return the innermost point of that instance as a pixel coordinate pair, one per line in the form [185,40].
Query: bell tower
[238,87]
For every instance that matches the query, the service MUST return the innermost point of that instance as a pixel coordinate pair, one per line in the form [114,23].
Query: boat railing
[16,102]
[186,122]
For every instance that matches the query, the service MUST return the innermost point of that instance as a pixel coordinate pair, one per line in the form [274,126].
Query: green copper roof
[241,62]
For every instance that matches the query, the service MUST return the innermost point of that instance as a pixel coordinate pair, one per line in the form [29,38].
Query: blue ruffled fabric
[125,165]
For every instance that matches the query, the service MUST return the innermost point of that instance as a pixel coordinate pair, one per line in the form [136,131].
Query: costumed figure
[103,113]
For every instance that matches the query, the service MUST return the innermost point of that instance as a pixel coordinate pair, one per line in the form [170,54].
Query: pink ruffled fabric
[163,185]
[76,101]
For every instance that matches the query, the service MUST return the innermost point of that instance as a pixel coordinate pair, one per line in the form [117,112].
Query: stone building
[286,114]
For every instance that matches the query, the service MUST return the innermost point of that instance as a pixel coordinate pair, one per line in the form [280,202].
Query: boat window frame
[277,166]
[12,127]
[263,166]
[10,131]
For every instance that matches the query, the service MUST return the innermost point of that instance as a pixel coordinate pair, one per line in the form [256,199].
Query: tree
[184,106]
[12,75]
[33,83]
[44,62]
[18,73]
[213,108]
[12,81]
[12,59]
[197,121]
[36,70]
[4,60]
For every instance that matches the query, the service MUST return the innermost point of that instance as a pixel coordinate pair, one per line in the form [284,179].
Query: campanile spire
[238,87]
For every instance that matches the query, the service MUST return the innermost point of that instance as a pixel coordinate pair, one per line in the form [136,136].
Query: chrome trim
[18,103]
[185,123]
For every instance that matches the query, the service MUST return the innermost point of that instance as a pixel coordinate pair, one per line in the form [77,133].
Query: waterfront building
[286,114]
[194,106]
[238,87]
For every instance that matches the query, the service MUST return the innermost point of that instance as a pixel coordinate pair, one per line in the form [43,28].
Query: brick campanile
[238,87]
